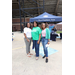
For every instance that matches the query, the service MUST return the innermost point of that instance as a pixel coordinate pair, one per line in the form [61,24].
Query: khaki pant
[27,45]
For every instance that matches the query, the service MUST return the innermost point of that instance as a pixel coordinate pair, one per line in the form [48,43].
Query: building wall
[16,23]
[59,27]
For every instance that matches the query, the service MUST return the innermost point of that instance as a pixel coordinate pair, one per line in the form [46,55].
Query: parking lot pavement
[23,65]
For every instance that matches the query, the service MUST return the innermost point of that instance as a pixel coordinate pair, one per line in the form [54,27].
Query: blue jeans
[44,42]
[33,46]
[36,46]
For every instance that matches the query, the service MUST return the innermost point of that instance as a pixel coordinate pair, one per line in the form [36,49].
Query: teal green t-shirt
[35,33]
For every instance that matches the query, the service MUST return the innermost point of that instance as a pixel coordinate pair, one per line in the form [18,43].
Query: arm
[48,41]
[48,36]
[39,36]
[26,37]
[48,33]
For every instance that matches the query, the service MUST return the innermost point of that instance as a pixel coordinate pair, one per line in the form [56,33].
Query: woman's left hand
[38,42]
[48,42]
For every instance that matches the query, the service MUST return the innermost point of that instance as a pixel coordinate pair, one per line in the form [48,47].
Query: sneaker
[46,60]
[44,56]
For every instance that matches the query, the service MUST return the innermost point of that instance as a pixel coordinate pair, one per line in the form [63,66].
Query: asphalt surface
[23,65]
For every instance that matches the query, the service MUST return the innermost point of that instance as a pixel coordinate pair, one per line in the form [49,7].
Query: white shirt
[27,31]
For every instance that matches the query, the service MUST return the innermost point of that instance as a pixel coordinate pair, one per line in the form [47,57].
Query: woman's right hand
[48,43]
[28,40]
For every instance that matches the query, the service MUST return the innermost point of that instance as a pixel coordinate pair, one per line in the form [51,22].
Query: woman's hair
[31,24]
[27,23]
[36,22]
[42,25]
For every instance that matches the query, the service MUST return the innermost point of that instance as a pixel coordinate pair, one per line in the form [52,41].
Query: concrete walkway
[23,65]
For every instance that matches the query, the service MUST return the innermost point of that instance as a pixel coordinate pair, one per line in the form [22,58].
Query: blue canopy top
[46,17]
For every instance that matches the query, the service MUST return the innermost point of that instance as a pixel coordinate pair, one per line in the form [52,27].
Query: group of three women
[37,34]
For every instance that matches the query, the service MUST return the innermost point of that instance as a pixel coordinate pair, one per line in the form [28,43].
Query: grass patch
[59,32]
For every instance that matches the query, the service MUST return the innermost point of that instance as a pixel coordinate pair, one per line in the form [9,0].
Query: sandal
[37,58]
[28,55]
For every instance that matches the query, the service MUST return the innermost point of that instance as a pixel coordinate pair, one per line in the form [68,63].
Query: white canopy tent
[59,23]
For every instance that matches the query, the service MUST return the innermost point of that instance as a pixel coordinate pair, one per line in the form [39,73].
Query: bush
[59,32]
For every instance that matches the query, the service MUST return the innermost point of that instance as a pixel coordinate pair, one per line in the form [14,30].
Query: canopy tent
[59,23]
[46,17]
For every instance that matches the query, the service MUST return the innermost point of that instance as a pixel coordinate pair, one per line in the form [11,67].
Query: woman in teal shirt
[45,39]
[36,35]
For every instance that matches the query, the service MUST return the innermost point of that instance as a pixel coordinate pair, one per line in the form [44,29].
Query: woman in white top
[27,34]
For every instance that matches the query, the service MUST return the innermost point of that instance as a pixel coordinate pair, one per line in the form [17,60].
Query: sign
[40,20]
[50,51]
[45,16]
